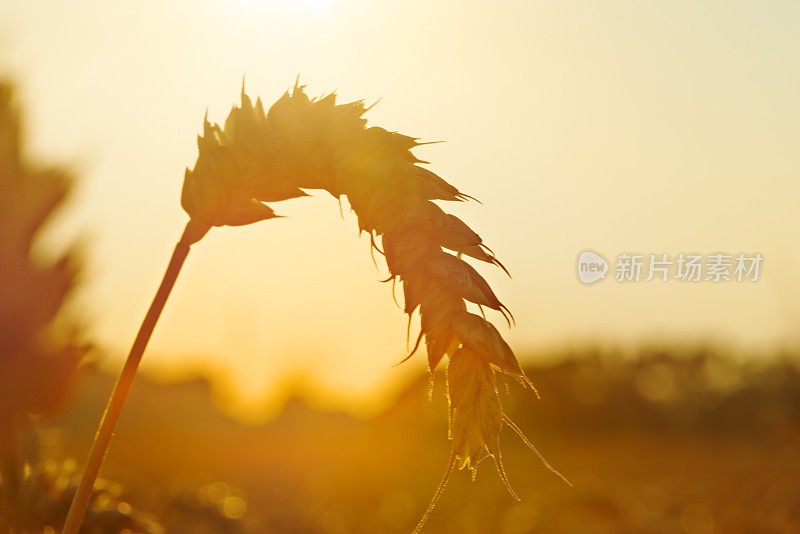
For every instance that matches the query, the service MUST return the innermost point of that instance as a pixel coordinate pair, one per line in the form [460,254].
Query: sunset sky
[635,126]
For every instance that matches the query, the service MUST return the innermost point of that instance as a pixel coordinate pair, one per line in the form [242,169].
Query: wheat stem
[193,232]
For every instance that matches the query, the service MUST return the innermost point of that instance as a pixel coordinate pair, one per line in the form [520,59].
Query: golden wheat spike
[316,144]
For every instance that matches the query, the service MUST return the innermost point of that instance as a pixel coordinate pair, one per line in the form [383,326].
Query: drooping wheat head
[303,143]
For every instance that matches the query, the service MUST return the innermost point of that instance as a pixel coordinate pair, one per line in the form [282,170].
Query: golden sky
[650,127]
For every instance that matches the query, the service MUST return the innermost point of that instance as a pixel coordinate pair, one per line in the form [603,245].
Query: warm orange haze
[635,127]
[637,172]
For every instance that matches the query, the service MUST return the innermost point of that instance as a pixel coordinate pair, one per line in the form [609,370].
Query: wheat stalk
[303,143]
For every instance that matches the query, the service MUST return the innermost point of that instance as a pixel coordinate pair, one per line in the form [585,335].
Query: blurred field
[662,443]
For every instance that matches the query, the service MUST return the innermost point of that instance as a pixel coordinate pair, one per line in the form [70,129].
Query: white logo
[634,267]
[591,267]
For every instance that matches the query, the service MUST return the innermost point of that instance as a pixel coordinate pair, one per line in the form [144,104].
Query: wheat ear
[303,143]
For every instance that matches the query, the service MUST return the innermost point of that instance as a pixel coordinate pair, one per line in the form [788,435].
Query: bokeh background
[651,127]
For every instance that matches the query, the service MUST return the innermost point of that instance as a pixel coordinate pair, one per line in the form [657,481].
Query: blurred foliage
[39,358]
[35,366]
[36,363]
[664,441]
[44,490]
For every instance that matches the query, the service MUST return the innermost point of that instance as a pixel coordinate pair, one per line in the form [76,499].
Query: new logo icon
[591,267]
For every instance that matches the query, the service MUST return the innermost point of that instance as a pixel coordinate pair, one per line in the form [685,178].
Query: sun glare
[313,6]
[318,5]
